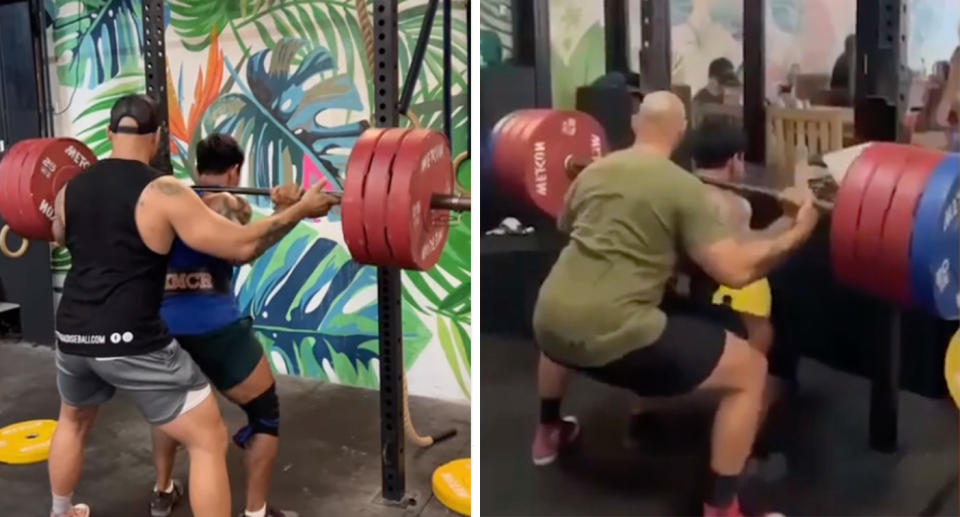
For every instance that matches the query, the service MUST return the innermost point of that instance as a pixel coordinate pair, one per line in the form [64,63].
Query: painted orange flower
[204,93]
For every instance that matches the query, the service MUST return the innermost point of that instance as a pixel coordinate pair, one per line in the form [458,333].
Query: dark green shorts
[228,355]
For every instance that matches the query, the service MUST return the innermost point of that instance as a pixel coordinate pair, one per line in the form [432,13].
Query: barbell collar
[438,202]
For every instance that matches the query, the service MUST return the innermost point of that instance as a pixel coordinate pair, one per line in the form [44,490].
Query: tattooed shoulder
[168,187]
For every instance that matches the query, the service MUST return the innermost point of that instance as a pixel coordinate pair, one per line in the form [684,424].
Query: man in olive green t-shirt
[631,217]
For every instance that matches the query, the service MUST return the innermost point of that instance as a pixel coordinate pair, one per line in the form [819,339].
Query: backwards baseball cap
[141,108]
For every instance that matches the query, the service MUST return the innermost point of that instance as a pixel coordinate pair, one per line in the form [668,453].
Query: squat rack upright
[387,108]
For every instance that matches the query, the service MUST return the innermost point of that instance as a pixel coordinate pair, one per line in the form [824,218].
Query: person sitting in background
[840,78]
[787,92]
[946,114]
[722,78]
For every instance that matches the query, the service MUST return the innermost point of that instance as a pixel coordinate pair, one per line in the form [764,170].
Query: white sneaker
[78,510]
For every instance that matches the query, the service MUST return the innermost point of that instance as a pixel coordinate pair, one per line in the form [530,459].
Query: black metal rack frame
[387,108]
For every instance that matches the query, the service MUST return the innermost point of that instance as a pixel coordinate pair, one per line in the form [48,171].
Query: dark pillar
[617,38]
[881,77]
[656,65]
[386,114]
[531,38]
[26,282]
[754,80]
[155,64]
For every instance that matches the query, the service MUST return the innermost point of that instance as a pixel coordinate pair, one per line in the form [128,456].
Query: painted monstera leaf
[330,24]
[316,310]
[787,15]
[97,40]
[275,114]
[729,15]
[680,11]
[585,64]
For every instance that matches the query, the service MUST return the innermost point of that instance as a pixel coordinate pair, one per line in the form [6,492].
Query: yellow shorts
[754,299]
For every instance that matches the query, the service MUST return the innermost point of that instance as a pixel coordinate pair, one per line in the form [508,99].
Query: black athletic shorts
[684,355]
[228,355]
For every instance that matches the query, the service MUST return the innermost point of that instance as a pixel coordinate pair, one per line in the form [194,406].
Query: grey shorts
[163,384]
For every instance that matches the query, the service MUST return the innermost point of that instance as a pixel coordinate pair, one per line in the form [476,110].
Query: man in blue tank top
[200,310]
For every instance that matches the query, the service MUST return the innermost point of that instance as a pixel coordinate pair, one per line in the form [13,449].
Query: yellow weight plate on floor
[26,442]
[754,299]
[451,485]
[951,368]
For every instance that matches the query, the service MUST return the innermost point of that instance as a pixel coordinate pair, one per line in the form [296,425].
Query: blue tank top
[197,297]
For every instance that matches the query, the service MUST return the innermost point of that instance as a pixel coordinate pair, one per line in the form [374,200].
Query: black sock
[549,411]
[721,490]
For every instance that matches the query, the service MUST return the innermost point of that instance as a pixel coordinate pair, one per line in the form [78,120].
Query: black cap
[140,108]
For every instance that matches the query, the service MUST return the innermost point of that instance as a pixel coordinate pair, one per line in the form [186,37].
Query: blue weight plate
[935,245]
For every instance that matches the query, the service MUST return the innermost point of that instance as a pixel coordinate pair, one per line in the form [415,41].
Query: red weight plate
[351,207]
[846,215]
[546,143]
[376,193]
[51,165]
[9,168]
[421,169]
[891,159]
[14,200]
[505,167]
[513,154]
[893,252]
[30,226]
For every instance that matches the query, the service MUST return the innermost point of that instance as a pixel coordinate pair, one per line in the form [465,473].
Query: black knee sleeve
[263,417]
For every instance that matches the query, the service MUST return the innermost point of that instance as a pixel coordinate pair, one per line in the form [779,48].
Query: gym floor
[822,433]
[329,462]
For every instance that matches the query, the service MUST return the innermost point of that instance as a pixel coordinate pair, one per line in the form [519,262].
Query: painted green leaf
[90,125]
[97,40]
[680,11]
[587,62]
[274,115]
[194,20]
[787,15]
[453,353]
[306,292]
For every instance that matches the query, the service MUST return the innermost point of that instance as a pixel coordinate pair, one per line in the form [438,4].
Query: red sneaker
[732,511]
[552,438]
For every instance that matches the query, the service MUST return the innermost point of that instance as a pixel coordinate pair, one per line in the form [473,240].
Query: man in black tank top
[119,220]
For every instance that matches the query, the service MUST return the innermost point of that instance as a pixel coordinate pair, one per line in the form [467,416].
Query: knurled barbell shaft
[763,191]
[438,202]
[573,167]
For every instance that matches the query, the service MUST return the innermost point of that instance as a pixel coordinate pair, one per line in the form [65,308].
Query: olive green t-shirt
[630,217]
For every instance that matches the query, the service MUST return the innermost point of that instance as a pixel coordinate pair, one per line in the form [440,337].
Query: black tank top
[113,291]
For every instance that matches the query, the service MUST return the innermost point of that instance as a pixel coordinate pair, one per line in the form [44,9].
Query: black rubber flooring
[329,462]
[821,433]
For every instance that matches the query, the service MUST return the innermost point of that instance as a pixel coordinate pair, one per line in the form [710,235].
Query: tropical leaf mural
[585,64]
[274,115]
[290,80]
[97,40]
[315,309]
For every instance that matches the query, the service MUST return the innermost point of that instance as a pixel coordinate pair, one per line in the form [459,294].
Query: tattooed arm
[209,232]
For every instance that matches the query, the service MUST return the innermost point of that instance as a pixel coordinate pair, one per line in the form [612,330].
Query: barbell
[893,221]
[398,193]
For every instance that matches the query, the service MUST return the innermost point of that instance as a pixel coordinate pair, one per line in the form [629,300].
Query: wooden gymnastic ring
[21,251]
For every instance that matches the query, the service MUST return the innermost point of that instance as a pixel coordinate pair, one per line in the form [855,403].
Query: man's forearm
[263,233]
[763,255]
[773,230]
